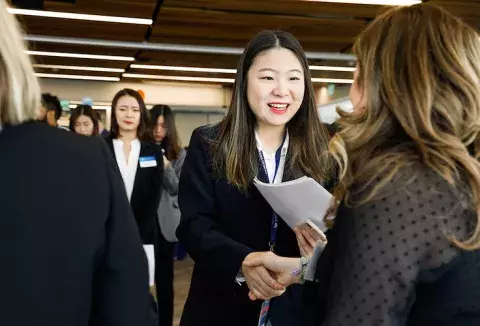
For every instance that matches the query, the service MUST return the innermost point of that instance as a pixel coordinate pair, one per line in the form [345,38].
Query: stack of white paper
[150,252]
[297,201]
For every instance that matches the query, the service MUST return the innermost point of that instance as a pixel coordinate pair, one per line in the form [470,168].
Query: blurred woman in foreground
[76,261]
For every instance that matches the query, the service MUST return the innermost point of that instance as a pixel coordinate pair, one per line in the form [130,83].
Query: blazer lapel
[140,175]
[109,141]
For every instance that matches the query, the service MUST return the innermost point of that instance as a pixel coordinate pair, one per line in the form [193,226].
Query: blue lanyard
[274,225]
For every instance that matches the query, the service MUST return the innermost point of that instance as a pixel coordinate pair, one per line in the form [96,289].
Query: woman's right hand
[280,267]
[259,280]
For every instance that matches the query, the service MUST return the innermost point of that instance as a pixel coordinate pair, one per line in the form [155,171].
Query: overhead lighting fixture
[60,67]
[332,80]
[69,15]
[190,69]
[80,55]
[80,77]
[95,107]
[375,2]
[181,78]
[227,71]
[225,80]
[331,68]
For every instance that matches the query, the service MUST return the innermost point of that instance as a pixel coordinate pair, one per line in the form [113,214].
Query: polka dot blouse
[389,262]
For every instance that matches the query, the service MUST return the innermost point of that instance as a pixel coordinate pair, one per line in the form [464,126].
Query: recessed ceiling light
[69,15]
[60,67]
[227,71]
[374,2]
[330,68]
[77,77]
[225,80]
[332,80]
[181,78]
[192,69]
[80,55]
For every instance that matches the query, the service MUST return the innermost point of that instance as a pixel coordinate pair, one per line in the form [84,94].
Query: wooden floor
[183,273]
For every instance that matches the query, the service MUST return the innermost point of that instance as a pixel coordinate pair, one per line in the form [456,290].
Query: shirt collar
[284,146]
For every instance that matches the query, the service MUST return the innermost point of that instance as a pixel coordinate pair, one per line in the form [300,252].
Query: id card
[147,161]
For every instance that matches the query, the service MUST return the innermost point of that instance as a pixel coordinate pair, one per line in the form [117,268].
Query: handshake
[268,275]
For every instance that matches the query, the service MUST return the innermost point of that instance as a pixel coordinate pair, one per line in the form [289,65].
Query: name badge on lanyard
[147,161]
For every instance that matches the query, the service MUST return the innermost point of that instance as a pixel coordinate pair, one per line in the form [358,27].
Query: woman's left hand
[306,243]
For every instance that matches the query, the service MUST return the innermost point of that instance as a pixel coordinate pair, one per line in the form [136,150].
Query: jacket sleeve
[170,181]
[171,176]
[215,254]
[121,294]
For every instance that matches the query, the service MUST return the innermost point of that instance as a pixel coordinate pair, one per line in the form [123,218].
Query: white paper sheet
[298,201]
[150,252]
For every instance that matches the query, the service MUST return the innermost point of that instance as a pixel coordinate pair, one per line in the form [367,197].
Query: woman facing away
[272,131]
[404,249]
[76,260]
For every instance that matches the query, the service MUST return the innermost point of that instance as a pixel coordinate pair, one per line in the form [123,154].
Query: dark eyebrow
[273,70]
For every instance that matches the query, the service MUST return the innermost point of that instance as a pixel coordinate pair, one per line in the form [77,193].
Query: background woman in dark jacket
[140,162]
[166,136]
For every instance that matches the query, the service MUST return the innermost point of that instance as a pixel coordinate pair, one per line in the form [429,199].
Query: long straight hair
[419,70]
[19,88]
[171,141]
[234,150]
[143,131]
[87,111]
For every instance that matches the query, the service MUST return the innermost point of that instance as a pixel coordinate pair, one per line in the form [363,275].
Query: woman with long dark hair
[166,136]
[140,162]
[405,246]
[272,131]
[84,121]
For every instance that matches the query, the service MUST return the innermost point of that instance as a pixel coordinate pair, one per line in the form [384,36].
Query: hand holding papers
[298,202]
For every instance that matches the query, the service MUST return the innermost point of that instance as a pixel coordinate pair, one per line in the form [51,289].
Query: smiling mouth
[278,108]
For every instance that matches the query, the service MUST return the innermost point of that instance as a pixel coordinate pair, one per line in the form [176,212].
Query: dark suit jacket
[219,227]
[69,248]
[147,191]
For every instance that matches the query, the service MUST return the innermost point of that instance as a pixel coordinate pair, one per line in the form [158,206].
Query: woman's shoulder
[206,132]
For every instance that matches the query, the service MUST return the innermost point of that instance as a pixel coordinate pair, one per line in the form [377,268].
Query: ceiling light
[80,55]
[192,69]
[79,68]
[226,80]
[69,15]
[332,80]
[95,107]
[227,71]
[181,78]
[375,2]
[95,103]
[77,77]
[328,68]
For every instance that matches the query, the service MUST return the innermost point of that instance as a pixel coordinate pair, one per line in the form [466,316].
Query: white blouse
[128,168]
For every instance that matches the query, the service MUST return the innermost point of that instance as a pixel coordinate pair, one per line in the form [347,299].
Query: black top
[219,227]
[147,191]
[70,251]
[389,262]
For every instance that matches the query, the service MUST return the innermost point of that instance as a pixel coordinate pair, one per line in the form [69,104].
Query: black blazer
[147,190]
[219,227]
[69,248]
